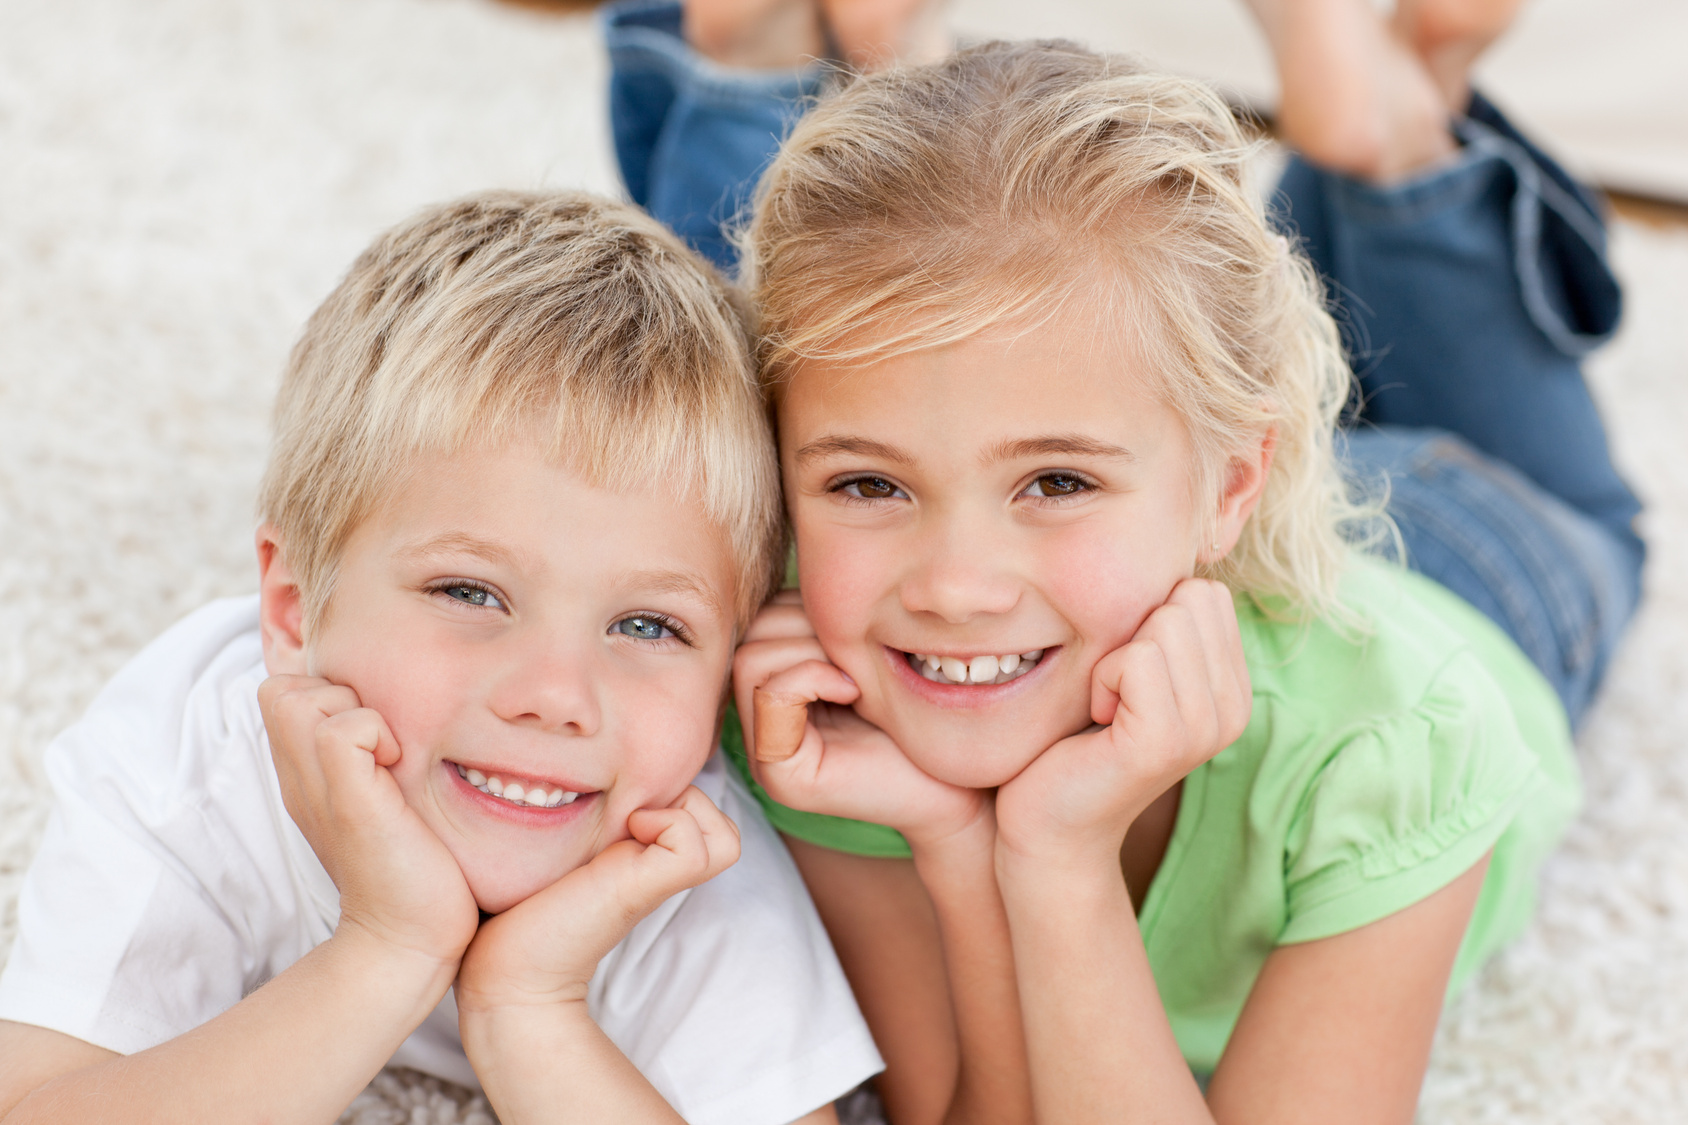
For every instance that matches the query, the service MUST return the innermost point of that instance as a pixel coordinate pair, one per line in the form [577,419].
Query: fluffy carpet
[182,180]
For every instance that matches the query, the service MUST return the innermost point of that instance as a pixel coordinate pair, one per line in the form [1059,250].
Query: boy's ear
[281,607]
[1245,484]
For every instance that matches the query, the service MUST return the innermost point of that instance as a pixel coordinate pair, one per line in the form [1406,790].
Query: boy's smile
[979,524]
[549,655]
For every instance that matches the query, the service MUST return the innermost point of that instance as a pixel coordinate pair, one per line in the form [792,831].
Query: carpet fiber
[182,180]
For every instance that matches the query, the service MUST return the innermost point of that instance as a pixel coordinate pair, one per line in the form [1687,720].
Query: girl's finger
[1215,615]
[782,705]
[1174,630]
[752,667]
[777,620]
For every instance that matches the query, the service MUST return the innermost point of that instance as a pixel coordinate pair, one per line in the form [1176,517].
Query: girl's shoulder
[1407,643]
[1394,754]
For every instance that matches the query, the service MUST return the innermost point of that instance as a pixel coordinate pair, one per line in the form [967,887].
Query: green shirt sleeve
[858,837]
[1406,804]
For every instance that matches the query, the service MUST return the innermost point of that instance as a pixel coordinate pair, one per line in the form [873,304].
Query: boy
[521,503]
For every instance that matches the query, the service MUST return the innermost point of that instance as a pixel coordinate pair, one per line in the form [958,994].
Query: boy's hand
[545,949]
[811,751]
[397,881]
[1172,697]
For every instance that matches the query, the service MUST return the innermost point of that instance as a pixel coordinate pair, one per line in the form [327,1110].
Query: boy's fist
[545,949]
[396,879]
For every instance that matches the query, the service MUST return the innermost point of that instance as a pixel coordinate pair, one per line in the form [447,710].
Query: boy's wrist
[491,1032]
[430,972]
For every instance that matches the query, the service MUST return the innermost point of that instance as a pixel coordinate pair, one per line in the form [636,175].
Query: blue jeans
[1468,297]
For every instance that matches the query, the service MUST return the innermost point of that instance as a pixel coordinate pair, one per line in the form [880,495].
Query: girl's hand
[397,881]
[810,751]
[544,950]
[1172,697]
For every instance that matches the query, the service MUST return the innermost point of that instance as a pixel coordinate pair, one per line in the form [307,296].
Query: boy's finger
[720,834]
[782,705]
[339,737]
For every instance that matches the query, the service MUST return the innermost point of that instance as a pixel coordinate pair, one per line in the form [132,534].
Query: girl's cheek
[1106,586]
[842,577]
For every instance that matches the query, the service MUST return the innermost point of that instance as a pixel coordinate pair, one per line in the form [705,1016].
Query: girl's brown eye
[872,488]
[1059,484]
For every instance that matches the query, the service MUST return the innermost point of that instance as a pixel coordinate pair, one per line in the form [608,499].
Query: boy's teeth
[515,793]
[987,669]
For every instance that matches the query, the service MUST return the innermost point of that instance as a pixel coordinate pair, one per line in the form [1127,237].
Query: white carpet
[182,180]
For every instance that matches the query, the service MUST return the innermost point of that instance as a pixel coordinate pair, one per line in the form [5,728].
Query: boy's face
[1020,496]
[511,622]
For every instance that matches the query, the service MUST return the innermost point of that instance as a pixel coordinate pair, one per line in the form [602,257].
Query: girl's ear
[281,607]
[1245,484]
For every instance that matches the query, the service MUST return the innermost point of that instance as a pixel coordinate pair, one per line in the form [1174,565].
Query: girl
[1099,748]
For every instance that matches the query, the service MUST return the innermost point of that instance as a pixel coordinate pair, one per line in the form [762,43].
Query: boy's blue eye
[642,628]
[473,595]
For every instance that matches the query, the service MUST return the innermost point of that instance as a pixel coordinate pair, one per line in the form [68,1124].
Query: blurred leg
[691,136]
[1553,578]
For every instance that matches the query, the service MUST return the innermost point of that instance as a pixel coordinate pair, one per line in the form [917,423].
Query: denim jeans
[1467,297]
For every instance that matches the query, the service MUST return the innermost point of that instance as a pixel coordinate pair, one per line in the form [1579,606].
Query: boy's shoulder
[162,728]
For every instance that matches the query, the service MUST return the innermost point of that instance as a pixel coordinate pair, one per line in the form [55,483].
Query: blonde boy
[521,504]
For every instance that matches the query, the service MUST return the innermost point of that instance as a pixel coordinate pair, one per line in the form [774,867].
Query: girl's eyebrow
[1056,445]
[858,446]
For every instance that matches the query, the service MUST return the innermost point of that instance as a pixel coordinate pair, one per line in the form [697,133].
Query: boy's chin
[496,892]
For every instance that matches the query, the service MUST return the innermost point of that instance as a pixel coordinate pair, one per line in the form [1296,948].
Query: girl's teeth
[495,786]
[476,777]
[988,669]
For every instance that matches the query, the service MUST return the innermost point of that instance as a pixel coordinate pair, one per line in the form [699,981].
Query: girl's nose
[959,576]
[550,687]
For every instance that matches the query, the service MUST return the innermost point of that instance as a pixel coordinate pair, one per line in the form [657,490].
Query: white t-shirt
[171,883]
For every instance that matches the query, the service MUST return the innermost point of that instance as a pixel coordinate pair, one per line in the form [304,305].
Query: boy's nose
[549,687]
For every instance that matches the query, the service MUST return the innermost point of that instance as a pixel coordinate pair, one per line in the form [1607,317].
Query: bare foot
[875,33]
[1449,35]
[755,34]
[1354,98]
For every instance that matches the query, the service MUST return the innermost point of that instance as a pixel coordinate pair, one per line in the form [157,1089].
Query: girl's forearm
[295,1052]
[550,1063]
[959,875]
[1097,1038]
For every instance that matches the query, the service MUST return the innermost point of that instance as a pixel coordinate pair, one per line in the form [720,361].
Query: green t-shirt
[1376,768]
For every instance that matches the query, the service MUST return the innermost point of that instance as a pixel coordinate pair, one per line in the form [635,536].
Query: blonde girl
[1128,788]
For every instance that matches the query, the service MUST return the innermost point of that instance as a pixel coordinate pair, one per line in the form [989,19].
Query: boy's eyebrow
[859,446]
[1054,445]
[457,542]
[675,582]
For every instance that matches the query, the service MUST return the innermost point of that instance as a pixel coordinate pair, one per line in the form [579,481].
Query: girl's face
[1009,508]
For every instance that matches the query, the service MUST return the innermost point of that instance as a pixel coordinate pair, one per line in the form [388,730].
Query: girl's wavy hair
[917,207]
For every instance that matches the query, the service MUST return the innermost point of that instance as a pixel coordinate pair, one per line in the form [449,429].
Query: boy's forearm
[959,874]
[295,1052]
[551,1064]
[1097,1036]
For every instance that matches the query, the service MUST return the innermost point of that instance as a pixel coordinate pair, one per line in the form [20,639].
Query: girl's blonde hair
[917,207]
[509,317]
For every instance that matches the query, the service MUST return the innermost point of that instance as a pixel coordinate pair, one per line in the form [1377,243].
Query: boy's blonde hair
[504,317]
[917,207]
